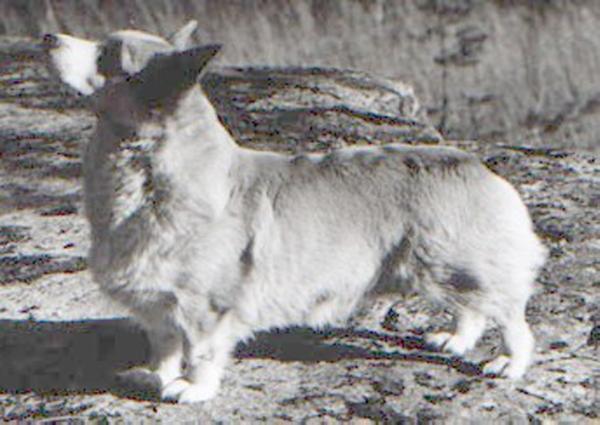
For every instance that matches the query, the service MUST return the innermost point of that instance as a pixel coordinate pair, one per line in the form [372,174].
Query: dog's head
[87,65]
[134,77]
[153,93]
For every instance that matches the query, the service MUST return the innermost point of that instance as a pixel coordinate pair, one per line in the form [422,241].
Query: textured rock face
[316,109]
[56,333]
[518,70]
[489,70]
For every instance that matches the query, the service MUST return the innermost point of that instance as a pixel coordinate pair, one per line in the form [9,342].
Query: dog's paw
[173,390]
[184,391]
[196,393]
[448,342]
[437,340]
[138,383]
[497,366]
[504,367]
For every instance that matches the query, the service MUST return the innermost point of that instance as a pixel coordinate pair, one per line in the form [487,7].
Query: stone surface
[491,70]
[61,343]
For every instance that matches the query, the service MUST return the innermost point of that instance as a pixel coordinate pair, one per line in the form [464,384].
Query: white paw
[198,392]
[496,366]
[437,339]
[173,390]
[448,342]
[184,391]
[505,367]
[514,372]
[167,377]
[134,373]
[138,377]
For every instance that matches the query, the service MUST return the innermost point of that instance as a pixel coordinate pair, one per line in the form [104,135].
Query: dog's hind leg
[209,353]
[519,343]
[469,327]
[508,310]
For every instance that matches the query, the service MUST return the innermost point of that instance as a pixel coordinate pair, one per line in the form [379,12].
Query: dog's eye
[109,61]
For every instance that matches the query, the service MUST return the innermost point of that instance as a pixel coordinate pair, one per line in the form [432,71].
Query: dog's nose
[50,41]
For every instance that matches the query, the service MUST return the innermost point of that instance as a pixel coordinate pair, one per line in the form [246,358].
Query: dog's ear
[135,56]
[170,74]
[73,59]
[181,39]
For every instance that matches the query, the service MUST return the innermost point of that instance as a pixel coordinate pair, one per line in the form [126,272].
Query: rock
[27,268]
[55,335]
[487,70]
[314,109]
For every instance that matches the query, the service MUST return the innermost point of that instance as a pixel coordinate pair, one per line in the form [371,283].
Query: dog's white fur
[207,242]
[76,63]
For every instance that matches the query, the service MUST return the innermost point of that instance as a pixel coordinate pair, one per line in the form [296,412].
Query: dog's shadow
[86,356]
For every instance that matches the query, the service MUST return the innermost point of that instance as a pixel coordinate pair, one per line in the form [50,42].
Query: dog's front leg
[167,353]
[208,355]
[165,365]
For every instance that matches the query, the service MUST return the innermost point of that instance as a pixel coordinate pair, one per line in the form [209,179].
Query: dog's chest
[125,203]
[132,176]
[134,180]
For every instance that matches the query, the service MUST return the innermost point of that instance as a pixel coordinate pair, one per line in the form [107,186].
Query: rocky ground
[60,342]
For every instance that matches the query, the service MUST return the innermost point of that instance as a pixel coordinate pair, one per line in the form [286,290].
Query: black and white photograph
[300,211]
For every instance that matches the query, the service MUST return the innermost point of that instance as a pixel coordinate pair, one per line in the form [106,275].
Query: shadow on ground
[87,356]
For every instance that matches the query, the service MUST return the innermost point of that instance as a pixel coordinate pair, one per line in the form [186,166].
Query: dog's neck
[198,152]
[195,119]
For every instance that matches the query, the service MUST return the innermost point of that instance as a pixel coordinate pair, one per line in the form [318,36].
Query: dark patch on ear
[462,281]
[168,75]
[247,258]
[109,62]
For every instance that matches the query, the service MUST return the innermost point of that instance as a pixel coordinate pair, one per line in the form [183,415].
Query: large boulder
[497,70]
[308,109]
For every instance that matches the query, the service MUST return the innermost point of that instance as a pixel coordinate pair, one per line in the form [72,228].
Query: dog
[206,242]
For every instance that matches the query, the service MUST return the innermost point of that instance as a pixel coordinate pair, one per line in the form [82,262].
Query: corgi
[207,242]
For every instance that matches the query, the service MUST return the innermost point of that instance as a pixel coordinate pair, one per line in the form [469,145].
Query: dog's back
[374,219]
